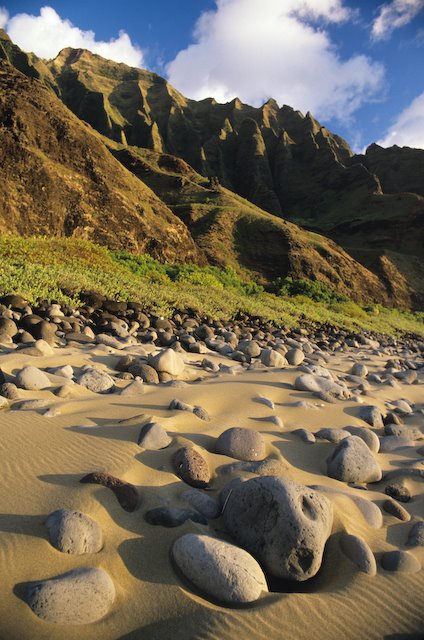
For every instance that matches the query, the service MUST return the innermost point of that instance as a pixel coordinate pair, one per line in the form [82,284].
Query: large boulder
[353,461]
[283,524]
[219,569]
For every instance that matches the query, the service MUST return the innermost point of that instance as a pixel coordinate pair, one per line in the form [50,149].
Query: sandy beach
[44,458]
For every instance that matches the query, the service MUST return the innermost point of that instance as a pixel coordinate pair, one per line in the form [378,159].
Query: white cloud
[48,33]
[4,17]
[258,50]
[408,128]
[394,15]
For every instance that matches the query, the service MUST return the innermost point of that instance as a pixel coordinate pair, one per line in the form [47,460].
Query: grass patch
[58,269]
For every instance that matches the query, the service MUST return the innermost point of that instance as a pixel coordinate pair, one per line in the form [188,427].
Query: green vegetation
[60,268]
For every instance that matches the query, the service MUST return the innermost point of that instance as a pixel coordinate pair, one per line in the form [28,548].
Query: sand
[43,459]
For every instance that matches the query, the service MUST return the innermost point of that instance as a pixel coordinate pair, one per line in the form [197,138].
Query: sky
[356,65]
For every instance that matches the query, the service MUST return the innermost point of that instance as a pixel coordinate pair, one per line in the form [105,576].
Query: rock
[295,357]
[269,467]
[416,535]
[8,327]
[305,436]
[147,373]
[167,361]
[123,363]
[332,434]
[179,405]
[45,331]
[359,370]
[153,437]
[372,415]
[32,379]
[402,406]
[10,391]
[319,384]
[110,341]
[242,444]
[219,569]
[272,358]
[398,491]
[400,561]
[250,348]
[203,503]
[359,552]
[266,401]
[74,532]
[66,371]
[370,438]
[391,443]
[96,380]
[258,513]
[395,509]
[192,467]
[201,413]
[171,517]
[135,388]
[352,461]
[81,596]
[126,493]
[402,431]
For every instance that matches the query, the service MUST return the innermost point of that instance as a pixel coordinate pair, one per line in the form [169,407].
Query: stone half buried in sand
[319,384]
[167,361]
[219,569]
[284,525]
[352,461]
[81,596]
[241,443]
[74,532]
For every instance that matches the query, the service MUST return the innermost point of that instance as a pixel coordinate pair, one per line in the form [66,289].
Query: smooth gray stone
[295,356]
[65,371]
[110,341]
[203,503]
[32,379]
[74,532]
[96,380]
[272,358]
[250,348]
[219,569]
[372,415]
[352,461]
[257,514]
[391,443]
[359,370]
[332,435]
[370,438]
[81,596]
[319,384]
[167,361]
[170,517]
[305,436]
[153,437]
[359,552]
[402,431]
[400,561]
[416,535]
[240,443]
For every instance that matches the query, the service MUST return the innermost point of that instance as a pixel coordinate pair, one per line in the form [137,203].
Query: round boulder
[283,524]
[74,532]
[32,379]
[242,444]
[78,597]
[352,461]
[219,569]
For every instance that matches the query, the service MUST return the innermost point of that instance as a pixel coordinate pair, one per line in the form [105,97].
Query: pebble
[126,493]
[305,436]
[359,552]
[32,379]
[203,503]
[372,416]
[395,509]
[402,431]
[241,443]
[153,437]
[170,517]
[400,561]
[219,569]
[398,491]
[147,373]
[191,467]
[74,532]
[79,597]
[295,357]
[272,358]
[416,535]
[96,380]
[332,434]
[266,401]
[352,461]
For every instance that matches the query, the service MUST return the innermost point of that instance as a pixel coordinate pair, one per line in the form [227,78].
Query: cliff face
[96,149]
[58,178]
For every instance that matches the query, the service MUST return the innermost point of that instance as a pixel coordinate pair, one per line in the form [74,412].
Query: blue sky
[356,65]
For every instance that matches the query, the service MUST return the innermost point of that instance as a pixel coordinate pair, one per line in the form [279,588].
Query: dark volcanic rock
[126,493]
[191,467]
